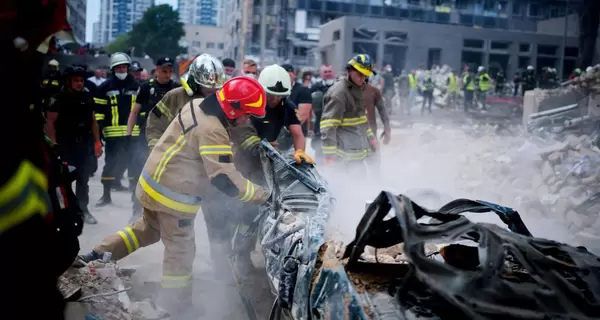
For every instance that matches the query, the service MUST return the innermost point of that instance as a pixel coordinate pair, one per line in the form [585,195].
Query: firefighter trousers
[116,158]
[139,154]
[80,154]
[177,234]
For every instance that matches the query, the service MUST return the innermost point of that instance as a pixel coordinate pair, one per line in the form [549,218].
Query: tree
[158,33]
[589,20]
[120,44]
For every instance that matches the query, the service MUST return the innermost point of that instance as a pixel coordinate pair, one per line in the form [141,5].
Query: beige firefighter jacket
[164,112]
[344,129]
[193,155]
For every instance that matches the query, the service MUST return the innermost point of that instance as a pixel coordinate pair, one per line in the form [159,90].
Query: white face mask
[328,82]
[251,75]
[121,75]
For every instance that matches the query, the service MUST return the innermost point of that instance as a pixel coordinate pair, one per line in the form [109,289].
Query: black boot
[118,186]
[88,218]
[106,199]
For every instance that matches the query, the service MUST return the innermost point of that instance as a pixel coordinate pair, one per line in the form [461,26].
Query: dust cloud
[436,163]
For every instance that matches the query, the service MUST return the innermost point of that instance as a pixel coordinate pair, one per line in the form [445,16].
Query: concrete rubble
[101,290]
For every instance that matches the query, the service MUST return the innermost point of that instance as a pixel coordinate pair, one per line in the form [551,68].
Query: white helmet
[119,58]
[275,80]
[481,68]
[589,69]
[529,67]
[53,63]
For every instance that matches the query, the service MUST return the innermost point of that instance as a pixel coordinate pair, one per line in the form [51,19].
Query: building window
[571,52]
[518,8]
[337,35]
[547,50]
[364,34]
[535,10]
[196,44]
[210,45]
[473,43]
[524,47]
[220,46]
[524,62]
[500,45]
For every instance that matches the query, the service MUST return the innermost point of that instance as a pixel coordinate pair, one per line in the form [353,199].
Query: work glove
[373,143]
[386,136]
[300,156]
[98,149]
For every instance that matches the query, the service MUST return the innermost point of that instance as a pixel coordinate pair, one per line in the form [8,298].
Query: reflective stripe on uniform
[171,151]
[132,101]
[329,150]
[249,192]
[130,240]
[54,82]
[353,155]
[169,198]
[119,131]
[99,116]
[249,142]
[173,282]
[100,101]
[215,150]
[350,122]
[330,123]
[164,110]
[23,196]
[412,81]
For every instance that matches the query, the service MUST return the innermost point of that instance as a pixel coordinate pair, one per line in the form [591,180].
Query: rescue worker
[72,125]
[205,76]
[427,92]
[192,158]
[413,90]
[344,129]
[317,93]
[483,86]
[576,73]
[387,78]
[301,97]
[499,83]
[553,80]
[229,66]
[249,68]
[374,101]
[116,97]
[149,94]
[136,71]
[529,80]
[452,83]
[51,83]
[469,90]
[517,81]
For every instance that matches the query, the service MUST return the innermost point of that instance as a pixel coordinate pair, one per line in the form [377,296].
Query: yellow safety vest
[412,81]
[452,87]
[484,82]
[468,86]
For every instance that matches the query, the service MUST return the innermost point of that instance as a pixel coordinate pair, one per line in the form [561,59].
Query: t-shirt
[149,94]
[75,114]
[301,94]
[284,114]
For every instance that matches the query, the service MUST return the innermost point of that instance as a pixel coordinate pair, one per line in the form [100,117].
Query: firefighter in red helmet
[191,160]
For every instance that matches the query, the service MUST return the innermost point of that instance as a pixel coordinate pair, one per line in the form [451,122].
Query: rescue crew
[51,83]
[200,82]
[413,90]
[344,129]
[116,98]
[192,158]
[149,94]
[452,83]
[427,92]
[72,125]
[317,93]
[483,86]
[529,80]
[468,88]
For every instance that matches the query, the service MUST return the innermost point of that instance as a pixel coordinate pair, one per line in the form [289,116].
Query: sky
[93,12]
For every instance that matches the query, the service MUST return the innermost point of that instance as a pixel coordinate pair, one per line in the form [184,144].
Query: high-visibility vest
[452,87]
[468,82]
[412,81]
[484,82]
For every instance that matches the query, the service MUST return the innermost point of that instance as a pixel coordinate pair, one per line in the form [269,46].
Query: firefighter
[529,80]
[51,83]
[452,83]
[148,95]
[116,97]
[136,71]
[483,85]
[388,88]
[72,125]
[469,89]
[427,88]
[317,93]
[412,90]
[192,158]
[205,76]
[500,79]
[344,129]
[553,80]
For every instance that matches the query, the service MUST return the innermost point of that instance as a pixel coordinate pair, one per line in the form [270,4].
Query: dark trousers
[139,151]
[116,159]
[427,100]
[468,103]
[80,154]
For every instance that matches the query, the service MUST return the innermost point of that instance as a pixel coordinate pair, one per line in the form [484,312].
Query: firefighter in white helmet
[483,80]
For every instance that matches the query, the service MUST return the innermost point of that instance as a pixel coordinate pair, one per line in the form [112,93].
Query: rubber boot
[88,218]
[106,199]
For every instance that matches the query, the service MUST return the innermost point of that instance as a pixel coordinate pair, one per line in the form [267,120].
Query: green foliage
[120,44]
[158,33]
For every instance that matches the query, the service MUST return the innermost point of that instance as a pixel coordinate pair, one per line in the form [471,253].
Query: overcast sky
[93,12]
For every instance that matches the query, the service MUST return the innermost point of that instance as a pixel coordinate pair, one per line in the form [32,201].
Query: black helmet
[135,66]
[75,71]
[363,64]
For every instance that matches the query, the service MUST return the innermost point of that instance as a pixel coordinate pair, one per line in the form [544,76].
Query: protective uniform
[469,89]
[71,118]
[529,80]
[51,84]
[344,129]
[116,98]
[317,94]
[412,90]
[427,92]
[374,101]
[500,78]
[483,87]
[452,83]
[191,160]
[205,72]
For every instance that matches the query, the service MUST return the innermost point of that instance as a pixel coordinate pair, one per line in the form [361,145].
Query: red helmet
[242,95]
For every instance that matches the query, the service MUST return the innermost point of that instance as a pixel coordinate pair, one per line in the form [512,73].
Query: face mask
[328,82]
[121,75]
[251,75]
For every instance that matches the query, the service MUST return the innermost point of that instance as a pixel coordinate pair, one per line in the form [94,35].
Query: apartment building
[77,18]
[205,39]
[118,17]
[201,12]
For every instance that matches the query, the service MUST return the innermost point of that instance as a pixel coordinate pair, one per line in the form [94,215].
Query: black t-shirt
[284,114]
[149,94]
[301,94]
[75,113]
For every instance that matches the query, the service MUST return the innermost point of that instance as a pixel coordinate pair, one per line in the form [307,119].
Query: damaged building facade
[505,37]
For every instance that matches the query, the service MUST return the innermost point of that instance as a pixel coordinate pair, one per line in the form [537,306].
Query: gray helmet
[207,71]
